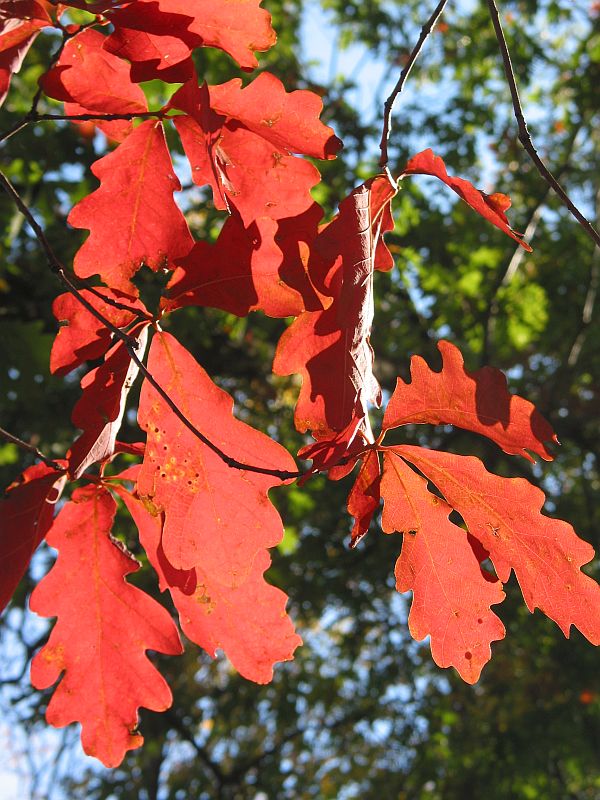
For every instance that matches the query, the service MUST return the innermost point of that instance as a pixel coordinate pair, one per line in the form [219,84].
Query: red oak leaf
[99,411]
[26,515]
[331,348]
[216,518]
[104,628]
[364,497]
[132,218]
[210,612]
[338,454]
[241,142]
[243,271]
[20,22]
[504,515]
[476,401]
[158,36]
[81,336]
[263,267]
[490,206]
[89,79]
[11,59]
[451,597]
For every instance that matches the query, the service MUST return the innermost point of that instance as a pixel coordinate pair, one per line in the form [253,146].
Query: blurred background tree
[362,711]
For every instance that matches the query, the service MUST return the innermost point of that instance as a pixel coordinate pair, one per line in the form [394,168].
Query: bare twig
[32,113]
[9,437]
[137,312]
[32,117]
[389,103]
[506,274]
[131,344]
[524,135]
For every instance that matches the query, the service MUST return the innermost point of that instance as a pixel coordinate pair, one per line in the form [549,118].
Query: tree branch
[524,135]
[389,103]
[33,116]
[505,275]
[131,344]
[9,437]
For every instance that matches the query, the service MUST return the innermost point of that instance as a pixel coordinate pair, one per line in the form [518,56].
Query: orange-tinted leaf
[217,518]
[132,218]
[241,142]
[331,348]
[20,22]
[289,120]
[157,36]
[243,271]
[364,497]
[263,267]
[211,618]
[476,401]
[104,628]
[99,411]
[11,59]
[81,336]
[328,451]
[491,207]
[89,79]
[210,612]
[26,515]
[451,597]
[504,515]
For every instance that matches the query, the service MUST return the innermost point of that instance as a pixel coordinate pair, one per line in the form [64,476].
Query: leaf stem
[524,135]
[389,103]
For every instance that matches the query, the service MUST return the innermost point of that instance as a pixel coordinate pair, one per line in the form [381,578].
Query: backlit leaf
[331,348]
[451,597]
[504,514]
[210,612]
[104,628]
[132,217]
[490,206]
[89,79]
[217,518]
[26,514]
[476,401]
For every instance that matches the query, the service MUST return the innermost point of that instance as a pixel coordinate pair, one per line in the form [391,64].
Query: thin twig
[506,274]
[32,113]
[58,268]
[9,437]
[524,135]
[131,344]
[32,117]
[137,312]
[389,103]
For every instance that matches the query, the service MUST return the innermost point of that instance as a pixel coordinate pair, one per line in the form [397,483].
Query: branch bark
[30,448]
[525,136]
[389,103]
